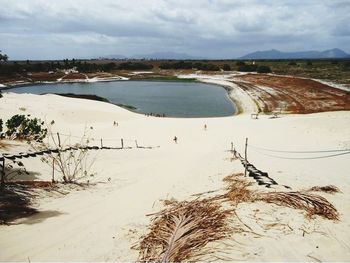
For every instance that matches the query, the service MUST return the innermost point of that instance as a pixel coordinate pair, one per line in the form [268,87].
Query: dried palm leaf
[311,203]
[183,229]
[330,189]
[237,189]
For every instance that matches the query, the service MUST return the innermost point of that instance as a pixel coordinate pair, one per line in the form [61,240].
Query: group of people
[155,115]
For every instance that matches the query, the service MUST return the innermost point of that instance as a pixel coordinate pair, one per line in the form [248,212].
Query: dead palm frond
[180,231]
[237,188]
[330,189]
[311,203]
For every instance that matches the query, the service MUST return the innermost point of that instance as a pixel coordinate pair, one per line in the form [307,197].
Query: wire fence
[300,154]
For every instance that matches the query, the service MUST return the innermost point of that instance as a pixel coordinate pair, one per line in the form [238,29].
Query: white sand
[103,222]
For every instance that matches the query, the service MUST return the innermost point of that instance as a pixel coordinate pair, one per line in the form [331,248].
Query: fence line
[284,151]
[262,178]
[91,138]
[301,158]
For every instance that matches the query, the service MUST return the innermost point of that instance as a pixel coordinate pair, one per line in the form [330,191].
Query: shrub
[21,127]
[1,123]
[346,65]
[70,163]
[263,69]
[226,67]
[0,94]
[134,66]
[240,63]
[247,68]
[292,63]
[309,63]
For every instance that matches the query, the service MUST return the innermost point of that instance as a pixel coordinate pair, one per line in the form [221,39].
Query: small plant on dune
[71,162]
[12,169]
[20,127]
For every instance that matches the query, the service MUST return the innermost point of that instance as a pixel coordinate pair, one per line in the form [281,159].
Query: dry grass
[330,189]
[180,231]
[312,204]
[237,189]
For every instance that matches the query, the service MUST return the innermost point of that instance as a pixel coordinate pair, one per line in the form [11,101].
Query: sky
[58,29]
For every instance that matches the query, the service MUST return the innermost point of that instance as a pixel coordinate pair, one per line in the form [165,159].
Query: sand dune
[103,222]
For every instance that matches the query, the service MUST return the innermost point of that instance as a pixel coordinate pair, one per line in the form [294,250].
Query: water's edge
[131,108]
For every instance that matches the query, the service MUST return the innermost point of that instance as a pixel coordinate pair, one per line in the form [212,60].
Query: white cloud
[216,28]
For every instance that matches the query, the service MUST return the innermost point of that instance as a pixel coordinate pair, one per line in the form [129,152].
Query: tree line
[13,68]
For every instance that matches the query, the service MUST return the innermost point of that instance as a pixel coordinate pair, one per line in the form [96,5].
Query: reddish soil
[295,95]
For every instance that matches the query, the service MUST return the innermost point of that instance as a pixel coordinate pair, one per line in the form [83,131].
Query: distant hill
[164,55]
[113,57]
[276,54]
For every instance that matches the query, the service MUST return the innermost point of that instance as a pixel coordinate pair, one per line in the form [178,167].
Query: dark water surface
[174,99]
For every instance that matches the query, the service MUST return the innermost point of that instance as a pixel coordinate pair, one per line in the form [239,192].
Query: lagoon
[174,99]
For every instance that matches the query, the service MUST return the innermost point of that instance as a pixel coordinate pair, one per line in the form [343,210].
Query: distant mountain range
[276,54]
[155,55]
[267,54]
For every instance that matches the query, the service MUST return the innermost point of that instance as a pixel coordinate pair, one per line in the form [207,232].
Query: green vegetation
[247,67]
[13,68]
[126,106]
[226,67]
[189,65]
[1,123]
[134,66]
[3,57]
[23,128]
[263,69]
[82,96]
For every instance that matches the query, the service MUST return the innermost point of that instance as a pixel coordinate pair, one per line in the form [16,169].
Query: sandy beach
[105,222]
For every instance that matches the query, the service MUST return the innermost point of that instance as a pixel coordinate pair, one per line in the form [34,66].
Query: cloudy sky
[56,29]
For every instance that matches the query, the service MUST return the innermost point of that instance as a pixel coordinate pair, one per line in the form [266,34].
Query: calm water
[175,99]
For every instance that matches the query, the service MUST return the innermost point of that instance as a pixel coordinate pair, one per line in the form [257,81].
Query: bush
[263,69]
[292,63]
[1,123]
[346,65]
[134,66]
[309,63]
[240,63]
[21,127]
[247,68]
[189,65]
[226,67]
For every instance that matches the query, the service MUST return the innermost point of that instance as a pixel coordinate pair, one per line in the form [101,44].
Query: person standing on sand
[175,139]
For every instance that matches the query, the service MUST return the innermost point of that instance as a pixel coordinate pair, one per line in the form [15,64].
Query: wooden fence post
[122,141]
[101,143]
[59,140]
[3,173]
[53,170]
[137,146]
[245,156]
